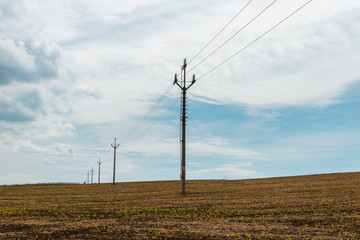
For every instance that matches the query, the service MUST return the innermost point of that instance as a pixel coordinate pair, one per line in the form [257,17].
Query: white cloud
[123,165]
[153,146]
[60,149]
[231,170]
[219,147]
[20,145]
[49,162]
[14,54]
[196,147]
[310,63]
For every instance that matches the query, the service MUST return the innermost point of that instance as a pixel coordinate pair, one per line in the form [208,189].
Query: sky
[74,75]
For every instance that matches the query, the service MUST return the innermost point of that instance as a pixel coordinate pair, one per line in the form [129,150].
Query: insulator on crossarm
[175,79]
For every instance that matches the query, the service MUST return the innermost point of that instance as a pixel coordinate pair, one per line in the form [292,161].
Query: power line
[233,35]
[137,125]
[141,121]
[156,121]
[220,31]
[248,45]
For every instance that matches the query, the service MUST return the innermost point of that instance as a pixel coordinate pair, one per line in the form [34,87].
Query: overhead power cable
[140,122]
[141,134]
[220,32]
[258,15]
[137,125]
[262,35]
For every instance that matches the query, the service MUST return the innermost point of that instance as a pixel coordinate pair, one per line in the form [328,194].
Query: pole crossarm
[181,87]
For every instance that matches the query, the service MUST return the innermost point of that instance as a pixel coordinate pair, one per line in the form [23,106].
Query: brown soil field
[302,207]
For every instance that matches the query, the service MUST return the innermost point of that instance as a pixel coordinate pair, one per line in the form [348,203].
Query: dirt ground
[303,207]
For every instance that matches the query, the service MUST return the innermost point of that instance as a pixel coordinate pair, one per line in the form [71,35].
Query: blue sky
[76,74]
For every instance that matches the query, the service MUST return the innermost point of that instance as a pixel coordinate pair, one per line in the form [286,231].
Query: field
[302,207]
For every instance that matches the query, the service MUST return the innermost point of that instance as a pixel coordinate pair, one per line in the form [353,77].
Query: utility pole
[88,173]
[183,117]
[92,174]
[99,162]
[114,146]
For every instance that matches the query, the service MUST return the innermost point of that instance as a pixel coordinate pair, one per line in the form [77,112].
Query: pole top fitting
[175,79]
[115,146]
[184,66]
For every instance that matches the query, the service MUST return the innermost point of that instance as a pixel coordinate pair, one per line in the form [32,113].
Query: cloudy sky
[75,74]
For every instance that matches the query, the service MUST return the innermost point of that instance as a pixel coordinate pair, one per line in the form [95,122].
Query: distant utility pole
[99,162]
[88,173]
[114,146]
[183,86]
[92,174]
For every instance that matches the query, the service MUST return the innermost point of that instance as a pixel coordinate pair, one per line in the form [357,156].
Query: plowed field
[302,207]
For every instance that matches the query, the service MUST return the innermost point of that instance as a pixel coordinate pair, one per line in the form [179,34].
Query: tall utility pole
[88,173]
[99,162]
[92,174]
[183,86]
[114,146]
